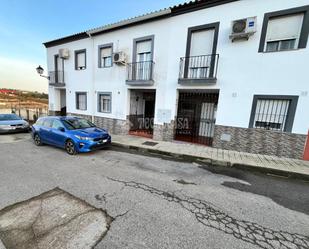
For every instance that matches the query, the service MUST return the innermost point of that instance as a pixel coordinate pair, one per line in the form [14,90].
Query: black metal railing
[56,78]
[140,71]
[199,67]
[271,114]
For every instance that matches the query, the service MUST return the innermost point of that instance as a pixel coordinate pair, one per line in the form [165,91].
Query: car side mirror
[61,129]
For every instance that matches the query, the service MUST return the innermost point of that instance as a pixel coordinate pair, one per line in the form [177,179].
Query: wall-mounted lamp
[40,71]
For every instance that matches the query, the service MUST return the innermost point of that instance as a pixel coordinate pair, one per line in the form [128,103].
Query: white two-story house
[232,74]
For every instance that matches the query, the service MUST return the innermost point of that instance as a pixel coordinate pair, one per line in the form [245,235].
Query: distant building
[224,73]
[8,91]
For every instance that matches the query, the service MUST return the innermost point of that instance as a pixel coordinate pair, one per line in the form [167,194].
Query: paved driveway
[157,203]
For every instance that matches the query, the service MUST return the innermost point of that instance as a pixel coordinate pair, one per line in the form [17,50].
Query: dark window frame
[56,69]
[281,13]
[77,103]
[104,93]
[142,39]
[209,26]
[76,52]
[291,112]
[100,47]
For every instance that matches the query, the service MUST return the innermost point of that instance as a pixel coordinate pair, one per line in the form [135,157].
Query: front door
[196,117]
[63,104]
[207,119]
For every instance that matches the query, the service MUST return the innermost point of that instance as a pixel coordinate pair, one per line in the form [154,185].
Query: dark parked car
[71,133]
[10,123]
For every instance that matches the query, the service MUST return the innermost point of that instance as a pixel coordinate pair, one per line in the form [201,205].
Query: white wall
[242,71]
[75,80]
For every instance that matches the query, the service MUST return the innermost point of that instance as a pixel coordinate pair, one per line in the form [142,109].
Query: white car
[10,123]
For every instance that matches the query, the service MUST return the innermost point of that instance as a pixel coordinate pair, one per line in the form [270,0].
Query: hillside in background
[18,99]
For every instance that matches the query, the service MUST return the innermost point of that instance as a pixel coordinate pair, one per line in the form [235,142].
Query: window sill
[105,112]
[279,51]
[106,67]
[190,81]
[140,82]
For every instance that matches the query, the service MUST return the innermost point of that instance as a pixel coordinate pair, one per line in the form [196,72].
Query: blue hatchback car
[71,133]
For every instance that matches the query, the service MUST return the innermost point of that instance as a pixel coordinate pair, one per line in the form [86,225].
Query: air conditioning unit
[64,53]
[243,28]
[119,58]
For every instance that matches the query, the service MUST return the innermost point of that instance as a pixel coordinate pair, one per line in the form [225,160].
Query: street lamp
[40,71]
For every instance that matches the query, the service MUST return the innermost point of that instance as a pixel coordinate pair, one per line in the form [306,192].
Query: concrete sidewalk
[217,157]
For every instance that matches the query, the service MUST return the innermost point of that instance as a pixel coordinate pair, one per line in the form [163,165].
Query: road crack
[206,214]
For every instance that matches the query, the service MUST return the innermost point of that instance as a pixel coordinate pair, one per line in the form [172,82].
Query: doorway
[63,103]
[142,110]
[196,117]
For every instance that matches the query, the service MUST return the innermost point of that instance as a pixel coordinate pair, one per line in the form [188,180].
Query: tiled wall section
[54,113]
[259,141]
[163,132]
[114,126]
[88,117]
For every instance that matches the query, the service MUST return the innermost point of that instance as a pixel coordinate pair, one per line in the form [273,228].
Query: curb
[214,163]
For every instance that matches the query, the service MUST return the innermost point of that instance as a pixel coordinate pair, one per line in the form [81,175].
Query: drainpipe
[93,94]
[306,149]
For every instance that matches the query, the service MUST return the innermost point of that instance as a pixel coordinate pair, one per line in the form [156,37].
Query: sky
[26,24]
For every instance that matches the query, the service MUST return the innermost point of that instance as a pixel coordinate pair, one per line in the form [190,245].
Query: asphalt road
[158,203]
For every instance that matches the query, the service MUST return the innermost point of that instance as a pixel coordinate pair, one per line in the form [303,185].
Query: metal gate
[196,117]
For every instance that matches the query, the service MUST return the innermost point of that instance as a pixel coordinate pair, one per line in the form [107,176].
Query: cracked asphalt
[158,203]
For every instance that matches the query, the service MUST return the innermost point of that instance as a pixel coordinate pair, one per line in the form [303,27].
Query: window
[201,50]
[273,112]
[105,102]
[81,101]
[283,33]
[47,122]
[142,58]
[285,30]
[144,51]
[57,124]
[80,59]
[39,122]
[105,55]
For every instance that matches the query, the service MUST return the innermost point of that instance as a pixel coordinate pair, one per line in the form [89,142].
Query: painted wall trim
[76,52]
[107,45]
[208,26]
[291,112]
[98,98]
[141,39]
[76,104]
[305,26]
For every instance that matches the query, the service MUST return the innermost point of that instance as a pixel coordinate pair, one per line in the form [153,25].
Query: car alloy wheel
[70,147]
[37,140]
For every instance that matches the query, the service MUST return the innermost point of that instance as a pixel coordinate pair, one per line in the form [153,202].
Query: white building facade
[229,74]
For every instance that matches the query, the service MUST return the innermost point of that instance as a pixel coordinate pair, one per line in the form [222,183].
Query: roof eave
[66,39]
[130,22]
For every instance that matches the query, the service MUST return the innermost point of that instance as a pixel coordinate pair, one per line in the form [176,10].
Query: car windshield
[4,117]
[77,123]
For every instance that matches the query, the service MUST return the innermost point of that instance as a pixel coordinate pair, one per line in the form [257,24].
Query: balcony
[56,78]
[140,73]
[200,69]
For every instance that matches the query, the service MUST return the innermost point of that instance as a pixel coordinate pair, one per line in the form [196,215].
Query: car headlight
[82,138]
